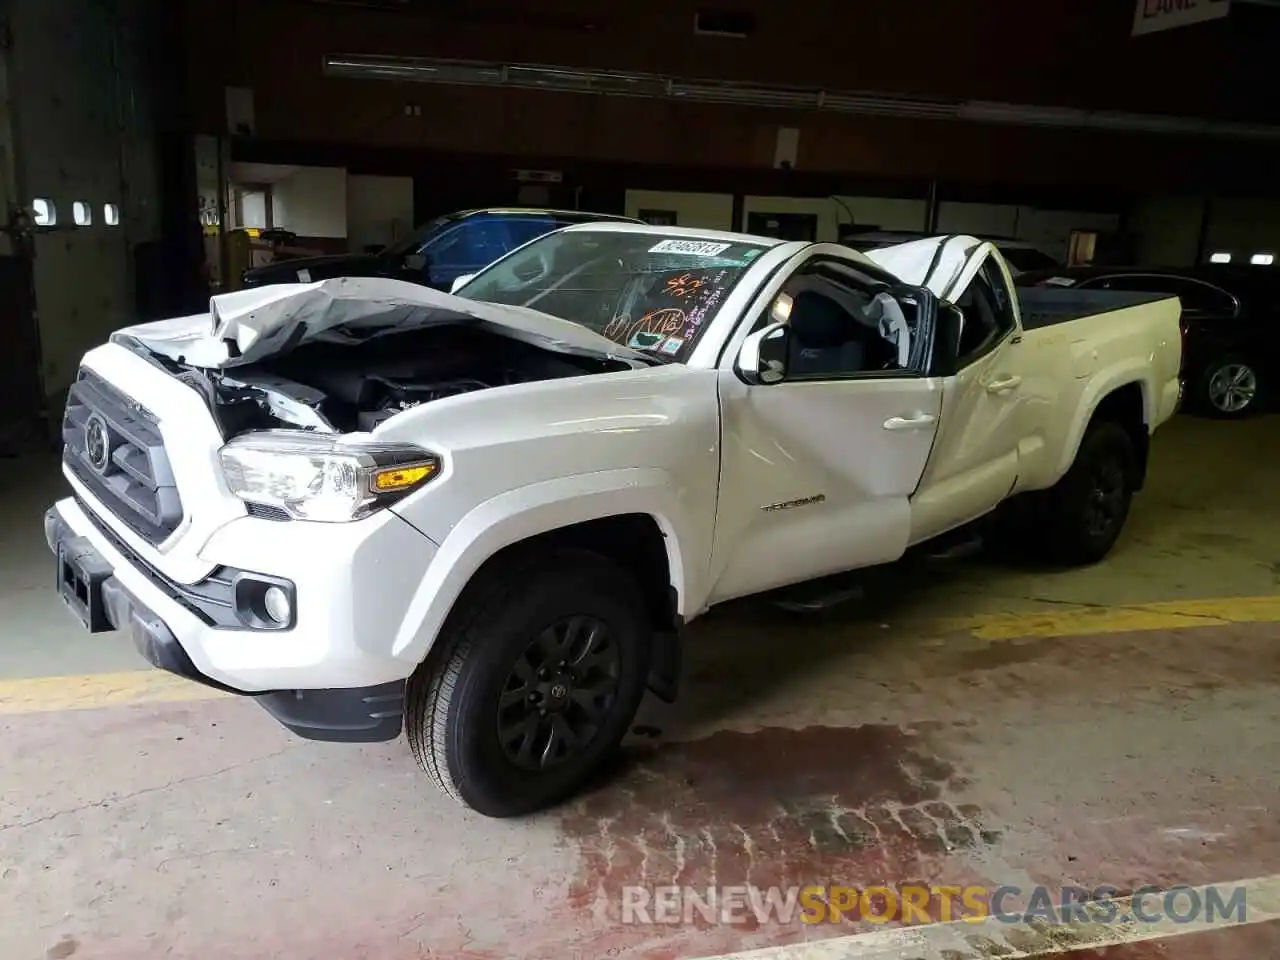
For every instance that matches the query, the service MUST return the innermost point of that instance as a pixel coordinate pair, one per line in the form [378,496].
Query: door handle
[1003,384]
[910,423]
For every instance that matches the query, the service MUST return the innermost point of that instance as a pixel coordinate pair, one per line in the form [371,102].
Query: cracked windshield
[645,291]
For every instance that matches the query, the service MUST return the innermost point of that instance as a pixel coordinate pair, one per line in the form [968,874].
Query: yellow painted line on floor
[1098,926]
[44,694]
[1074,620]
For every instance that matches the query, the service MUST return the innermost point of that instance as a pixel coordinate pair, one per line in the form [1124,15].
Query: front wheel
[1231,388]
[1084,513]
[539,675]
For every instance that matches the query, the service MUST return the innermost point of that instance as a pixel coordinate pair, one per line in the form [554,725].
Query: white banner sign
[1154,15]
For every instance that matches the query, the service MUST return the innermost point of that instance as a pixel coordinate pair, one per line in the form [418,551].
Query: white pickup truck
[485,518]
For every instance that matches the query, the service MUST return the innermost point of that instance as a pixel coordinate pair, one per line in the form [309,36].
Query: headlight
[322,476]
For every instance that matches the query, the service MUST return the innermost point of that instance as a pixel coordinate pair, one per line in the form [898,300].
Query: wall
[710,211]
[1050,230]
[379,210]
[1168,230]
[1244,227]
[888,213]
[1052,52]
[311,202]
[253,208]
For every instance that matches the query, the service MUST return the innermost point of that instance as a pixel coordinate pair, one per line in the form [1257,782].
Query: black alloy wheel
[560,689]
[1107,505]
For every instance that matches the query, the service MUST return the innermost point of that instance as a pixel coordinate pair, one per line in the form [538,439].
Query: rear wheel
[539,675]
[1078,519]
[1231,388]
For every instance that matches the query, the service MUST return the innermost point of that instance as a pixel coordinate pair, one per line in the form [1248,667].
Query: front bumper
[330,675]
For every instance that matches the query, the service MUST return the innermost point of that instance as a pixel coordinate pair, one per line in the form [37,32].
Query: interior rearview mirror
[461,281]
[763,357]
[417,262]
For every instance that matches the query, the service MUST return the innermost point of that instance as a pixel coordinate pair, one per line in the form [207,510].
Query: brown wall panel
[1068,51]
[542,124]
[1073,52]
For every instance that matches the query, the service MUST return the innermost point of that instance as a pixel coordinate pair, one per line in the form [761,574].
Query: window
[1220,257]
[465,248]
[842,323]
[1263,259]
[1198,298]
[523,229]
[659,218]
[988,314]
[111,215]
[43,212]
[82,214]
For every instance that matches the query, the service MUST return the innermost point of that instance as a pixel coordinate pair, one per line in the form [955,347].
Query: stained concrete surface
[879,744]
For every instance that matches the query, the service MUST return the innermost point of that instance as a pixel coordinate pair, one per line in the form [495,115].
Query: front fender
[1099,386]
[525,512]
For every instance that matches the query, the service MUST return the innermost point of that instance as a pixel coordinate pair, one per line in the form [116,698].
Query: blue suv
[438,252]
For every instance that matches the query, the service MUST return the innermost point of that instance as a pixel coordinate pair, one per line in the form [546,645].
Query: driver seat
[824,337]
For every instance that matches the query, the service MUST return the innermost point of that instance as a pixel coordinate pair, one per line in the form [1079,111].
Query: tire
[1231,388]
[492,649]
[1083,514]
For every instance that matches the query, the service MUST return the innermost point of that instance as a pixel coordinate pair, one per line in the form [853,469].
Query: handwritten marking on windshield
[657,322]
[684,285]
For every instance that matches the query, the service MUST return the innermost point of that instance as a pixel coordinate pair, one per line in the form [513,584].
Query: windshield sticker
[695,248]
[658,323]
[644,340]
[671,345]
[304,275]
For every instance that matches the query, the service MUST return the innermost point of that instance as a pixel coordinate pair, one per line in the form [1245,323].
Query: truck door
[817,468]
[974,464]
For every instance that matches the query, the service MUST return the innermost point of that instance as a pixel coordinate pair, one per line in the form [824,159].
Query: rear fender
[1102,385]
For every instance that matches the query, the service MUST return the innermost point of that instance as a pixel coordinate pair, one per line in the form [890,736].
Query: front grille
[113,446]
[212,599]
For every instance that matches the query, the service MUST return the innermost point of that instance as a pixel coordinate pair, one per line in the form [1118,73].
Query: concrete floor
[967,724]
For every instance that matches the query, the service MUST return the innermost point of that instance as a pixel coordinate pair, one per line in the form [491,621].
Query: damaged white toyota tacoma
[484,518]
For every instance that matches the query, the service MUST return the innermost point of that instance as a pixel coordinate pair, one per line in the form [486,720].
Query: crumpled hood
[250,325]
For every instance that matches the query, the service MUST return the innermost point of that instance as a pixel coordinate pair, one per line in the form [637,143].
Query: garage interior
[960,720]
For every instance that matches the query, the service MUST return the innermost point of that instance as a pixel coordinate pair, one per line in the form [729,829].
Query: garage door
[82,141]
[21,396]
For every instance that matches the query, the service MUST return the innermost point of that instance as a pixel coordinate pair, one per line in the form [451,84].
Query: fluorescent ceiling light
[1220,258]
[414,70]
[1263,259]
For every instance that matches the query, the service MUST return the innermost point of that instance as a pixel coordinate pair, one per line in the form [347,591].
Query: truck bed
[1047,306]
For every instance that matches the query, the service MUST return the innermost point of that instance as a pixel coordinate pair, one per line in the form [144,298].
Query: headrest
[818,321]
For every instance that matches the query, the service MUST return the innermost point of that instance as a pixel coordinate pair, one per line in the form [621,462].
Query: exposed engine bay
[356,386]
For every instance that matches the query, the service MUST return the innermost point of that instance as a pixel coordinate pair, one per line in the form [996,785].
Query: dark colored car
[1230,325]
[438,252]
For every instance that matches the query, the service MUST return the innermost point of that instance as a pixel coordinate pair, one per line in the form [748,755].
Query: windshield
[647,291]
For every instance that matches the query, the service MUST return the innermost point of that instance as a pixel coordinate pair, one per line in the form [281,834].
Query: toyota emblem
[97,443]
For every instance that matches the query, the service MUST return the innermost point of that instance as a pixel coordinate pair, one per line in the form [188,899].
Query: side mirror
[946,339]
[460,282]
[763,357]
